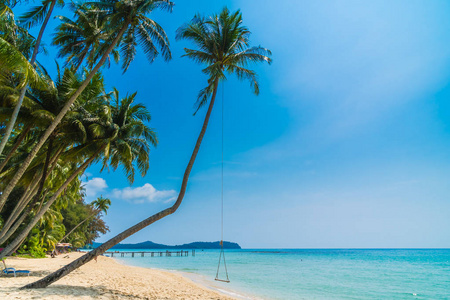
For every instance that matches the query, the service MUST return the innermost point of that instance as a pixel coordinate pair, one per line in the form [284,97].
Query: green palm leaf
[13,61]
[223,45]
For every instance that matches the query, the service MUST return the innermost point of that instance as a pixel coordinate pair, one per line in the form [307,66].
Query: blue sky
[346,146]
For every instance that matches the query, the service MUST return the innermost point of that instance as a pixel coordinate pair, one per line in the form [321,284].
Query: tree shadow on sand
[97,291]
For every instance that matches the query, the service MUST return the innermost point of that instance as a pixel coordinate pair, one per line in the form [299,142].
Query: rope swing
[222,252]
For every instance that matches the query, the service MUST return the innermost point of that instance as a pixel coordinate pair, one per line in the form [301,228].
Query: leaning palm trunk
[44,282]
[18,240]
[16,225]
[23,202]
[13,119]
[17,247]
[15,113]
[16,145]
[57,120]
[33,193]
[18,222]
[73,229]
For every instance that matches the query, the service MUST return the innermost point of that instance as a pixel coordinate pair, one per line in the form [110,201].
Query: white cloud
[94,187]
[145,193]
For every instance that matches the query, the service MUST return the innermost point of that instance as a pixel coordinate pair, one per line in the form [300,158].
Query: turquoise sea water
[318,274]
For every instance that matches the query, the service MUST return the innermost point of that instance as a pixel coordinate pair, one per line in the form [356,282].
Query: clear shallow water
[318,274]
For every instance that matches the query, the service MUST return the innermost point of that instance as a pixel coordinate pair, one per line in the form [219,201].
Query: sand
[104,279]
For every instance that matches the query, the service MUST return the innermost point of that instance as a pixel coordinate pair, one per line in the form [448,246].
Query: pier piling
[152,253]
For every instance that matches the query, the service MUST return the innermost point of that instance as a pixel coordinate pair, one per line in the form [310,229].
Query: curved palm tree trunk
[13,119]
[41,212]
[45,171]
[17,247]
[73,229]
[57,120]
[21,137]
[16,225]
[5,233]
[49,279]
[33,194]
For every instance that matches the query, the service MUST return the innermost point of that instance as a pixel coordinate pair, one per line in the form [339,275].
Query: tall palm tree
[134,137]
[50,228]
[98,205]
[31,18]
[15,73]
[41,107]
[80,39]
[127,21]
[123,138]
[72,138]
[91,155]
[224,47]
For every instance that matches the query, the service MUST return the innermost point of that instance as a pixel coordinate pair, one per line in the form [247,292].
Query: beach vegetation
[85,213]
[67,124]
[37,15]
[102,127]
[126,22]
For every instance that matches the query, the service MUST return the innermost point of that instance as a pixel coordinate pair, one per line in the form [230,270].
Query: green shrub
[37,253]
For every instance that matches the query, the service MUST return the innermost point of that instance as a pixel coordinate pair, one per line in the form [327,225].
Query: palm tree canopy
[130,137]
[36,14]
[79,39]
[14,34]
[101,204]
[224,47]
[141,30]
[13,61]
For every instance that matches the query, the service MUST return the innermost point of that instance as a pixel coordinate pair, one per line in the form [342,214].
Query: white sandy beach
[104,279]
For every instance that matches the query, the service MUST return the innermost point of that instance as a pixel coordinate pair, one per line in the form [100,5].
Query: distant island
[152,245]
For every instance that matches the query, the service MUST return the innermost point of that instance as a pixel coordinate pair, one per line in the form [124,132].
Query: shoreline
[105,279]
[197,279]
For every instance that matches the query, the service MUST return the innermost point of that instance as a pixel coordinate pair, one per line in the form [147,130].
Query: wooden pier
[151,253]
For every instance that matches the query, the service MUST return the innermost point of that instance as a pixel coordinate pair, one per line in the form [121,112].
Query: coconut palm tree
[37,15]
[80,39]
[223,44]
[41,107]
[134,137]
[15,73]
[127,21]
[123,138]
[50,228]
[92,152]
[72,140]
[98,205]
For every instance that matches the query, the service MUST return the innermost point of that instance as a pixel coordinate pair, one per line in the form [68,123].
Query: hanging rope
[222,252]
[223,100]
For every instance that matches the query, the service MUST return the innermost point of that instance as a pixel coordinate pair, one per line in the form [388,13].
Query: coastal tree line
[53,129]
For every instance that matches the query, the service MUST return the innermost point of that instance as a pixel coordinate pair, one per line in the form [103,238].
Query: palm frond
[128,48]
[13,61]
[35,15]
[223,45]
